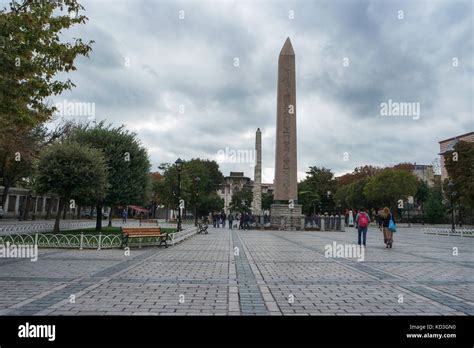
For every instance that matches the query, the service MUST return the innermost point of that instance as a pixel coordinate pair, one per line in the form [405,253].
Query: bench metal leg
[124,241]
[163,240]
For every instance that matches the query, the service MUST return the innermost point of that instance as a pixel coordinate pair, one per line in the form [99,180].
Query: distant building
[447,145]
[38,205]
[267,188]
[235,182]
[424,172]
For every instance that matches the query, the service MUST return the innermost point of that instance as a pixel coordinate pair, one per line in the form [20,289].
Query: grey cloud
[190,62]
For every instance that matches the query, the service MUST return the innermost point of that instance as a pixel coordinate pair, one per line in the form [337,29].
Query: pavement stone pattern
[234,272]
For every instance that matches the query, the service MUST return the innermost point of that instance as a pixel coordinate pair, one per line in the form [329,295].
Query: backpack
[363,220]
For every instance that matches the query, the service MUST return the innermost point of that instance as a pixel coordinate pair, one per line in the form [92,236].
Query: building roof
[421,166]
[458,136]
[450,146]
[236,174]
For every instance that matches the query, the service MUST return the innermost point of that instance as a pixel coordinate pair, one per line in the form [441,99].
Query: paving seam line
[348,264]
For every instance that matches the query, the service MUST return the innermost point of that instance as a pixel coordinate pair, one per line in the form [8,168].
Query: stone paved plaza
[203,276]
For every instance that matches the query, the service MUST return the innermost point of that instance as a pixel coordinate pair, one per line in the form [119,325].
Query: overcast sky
[351,56]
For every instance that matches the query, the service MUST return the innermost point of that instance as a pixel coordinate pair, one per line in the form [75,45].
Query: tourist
[246,221]
[241,221]
[380,219]
[351,219]
[362,221]
[223,217]
[231,220]
[214,220]
[124,216]
[387,234]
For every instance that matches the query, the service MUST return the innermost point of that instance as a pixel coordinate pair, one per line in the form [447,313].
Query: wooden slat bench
[141,232]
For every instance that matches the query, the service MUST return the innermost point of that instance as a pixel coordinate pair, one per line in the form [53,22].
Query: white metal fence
[460,232]
[47,226]
[89,241]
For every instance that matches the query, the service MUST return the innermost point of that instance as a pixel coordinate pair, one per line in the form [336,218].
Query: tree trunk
[98,223]
[64,211]
[34,208]
[26,207]
[4,196]
[110,216]
[58,216]
[78,215]
[48,210]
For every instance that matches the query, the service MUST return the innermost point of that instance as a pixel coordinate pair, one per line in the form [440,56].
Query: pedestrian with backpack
[388,225]
[362,221]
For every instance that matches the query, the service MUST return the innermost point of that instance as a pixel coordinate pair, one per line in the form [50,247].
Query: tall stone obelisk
[285,212]
[257,178]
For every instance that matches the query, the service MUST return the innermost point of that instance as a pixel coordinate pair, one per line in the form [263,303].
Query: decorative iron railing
[89,241]
[460,232]
[32,227]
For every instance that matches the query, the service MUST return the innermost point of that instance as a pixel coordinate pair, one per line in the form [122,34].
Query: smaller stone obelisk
[257,178]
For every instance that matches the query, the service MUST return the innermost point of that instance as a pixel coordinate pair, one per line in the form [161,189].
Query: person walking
[241,221]
[214,220]
[362,221]
[387,216]
[231,220]
[124,216]
[223,217]
[378,218]
[246,221]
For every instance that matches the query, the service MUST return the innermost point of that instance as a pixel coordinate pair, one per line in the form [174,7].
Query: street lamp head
[179,164]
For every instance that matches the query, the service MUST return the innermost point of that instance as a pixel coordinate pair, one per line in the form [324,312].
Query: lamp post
[179,166]
[452,194]
[197,179]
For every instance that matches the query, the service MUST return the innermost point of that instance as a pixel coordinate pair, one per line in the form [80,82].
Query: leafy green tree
[341,196]
[460,166]
[242,201]
[356,197]
[422,192]
[434,210]
[309,200]
[390,185]
[209,203]
[19,150]
[267,200]
[319,185]
[127,163]
[32,54]
[71,170]
[202,192]
[361,172]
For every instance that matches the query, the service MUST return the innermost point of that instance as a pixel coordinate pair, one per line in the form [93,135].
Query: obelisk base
[286,219]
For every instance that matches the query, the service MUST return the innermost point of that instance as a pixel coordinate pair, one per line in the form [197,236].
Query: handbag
[391,225]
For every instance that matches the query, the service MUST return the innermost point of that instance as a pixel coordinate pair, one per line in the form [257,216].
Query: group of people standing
[244,220]
[385,221]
